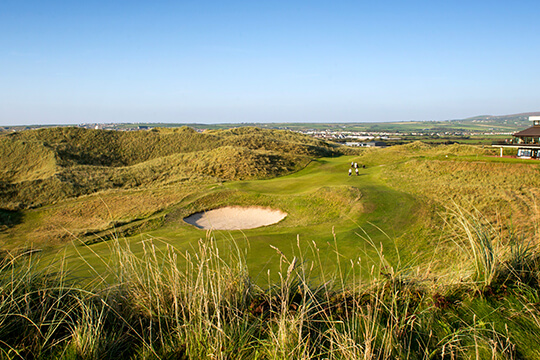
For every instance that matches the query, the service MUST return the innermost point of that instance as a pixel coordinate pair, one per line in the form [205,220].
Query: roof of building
[533,131]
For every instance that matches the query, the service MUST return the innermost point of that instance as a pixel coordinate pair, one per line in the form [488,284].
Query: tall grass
[500,258]
[202,304]
[482,245]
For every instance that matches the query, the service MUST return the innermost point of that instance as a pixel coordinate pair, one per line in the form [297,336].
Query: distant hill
[46,165]
[517,120]
[514,117]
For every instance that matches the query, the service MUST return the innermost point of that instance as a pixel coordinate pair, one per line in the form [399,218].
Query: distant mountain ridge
[510,116]
[501,118]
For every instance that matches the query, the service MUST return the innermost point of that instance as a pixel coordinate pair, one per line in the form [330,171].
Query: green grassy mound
[25,161]
[48,165]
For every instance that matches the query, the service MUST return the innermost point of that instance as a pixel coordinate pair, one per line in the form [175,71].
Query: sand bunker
[235,218]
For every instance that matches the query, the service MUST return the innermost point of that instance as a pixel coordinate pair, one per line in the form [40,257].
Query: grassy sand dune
[25,161]
[198,304]
[430,253]
[47,165]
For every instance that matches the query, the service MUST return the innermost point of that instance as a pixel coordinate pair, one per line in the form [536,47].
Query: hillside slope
[47,165]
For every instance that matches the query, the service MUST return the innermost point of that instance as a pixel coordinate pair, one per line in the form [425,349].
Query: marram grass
[202,304]
[44,166]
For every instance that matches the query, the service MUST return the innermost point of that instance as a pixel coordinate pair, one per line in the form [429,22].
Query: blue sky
[257,61]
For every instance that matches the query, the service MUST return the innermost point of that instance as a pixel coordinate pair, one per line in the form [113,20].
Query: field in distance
[480,125]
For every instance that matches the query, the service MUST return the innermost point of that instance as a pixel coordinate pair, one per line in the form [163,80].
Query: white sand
[235,218]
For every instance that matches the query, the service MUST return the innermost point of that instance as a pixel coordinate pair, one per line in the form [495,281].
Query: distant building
[526,141]
[367,144]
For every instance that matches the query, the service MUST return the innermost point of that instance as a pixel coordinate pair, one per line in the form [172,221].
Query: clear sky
[266,61]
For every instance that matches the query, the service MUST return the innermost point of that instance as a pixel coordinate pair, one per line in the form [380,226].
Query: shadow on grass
[9,218]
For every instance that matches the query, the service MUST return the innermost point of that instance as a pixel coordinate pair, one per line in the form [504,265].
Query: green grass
[321,201]
[394,263]
[398,200]
[149,303]
[48,165]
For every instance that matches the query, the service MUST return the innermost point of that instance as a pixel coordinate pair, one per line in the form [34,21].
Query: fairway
[327,209]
